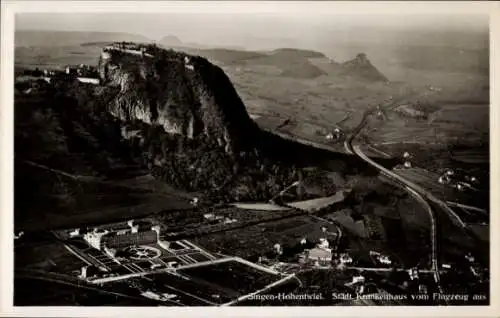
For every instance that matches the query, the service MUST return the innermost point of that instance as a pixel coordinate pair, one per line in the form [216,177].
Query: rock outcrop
[184,94]
[361,68]
[186,121]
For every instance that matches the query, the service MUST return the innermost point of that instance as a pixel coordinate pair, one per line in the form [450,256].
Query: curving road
[356,150]
[408,186]
[416,191]
[420,194]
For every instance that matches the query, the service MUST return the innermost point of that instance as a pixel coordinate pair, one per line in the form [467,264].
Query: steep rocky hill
[187,114]
[361,68]
[185,95]
[171,113]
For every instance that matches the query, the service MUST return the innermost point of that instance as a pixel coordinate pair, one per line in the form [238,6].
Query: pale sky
[237,22]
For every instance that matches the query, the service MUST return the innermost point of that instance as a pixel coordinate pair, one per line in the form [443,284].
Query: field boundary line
[77,255]
[467,207]
[200,249]
[257,266]
[241,298]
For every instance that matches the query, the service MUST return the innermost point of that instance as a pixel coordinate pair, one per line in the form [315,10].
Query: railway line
[415,191]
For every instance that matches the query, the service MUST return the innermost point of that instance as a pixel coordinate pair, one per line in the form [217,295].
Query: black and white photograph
[253,154]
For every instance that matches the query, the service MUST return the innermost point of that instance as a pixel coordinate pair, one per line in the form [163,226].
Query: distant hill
[291,52]
[170,40]
[291,62]
[173,42]
[361,68]
[296,63]
[226,56]
[35,38]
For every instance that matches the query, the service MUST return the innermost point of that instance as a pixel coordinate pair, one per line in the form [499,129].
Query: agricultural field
[238,277]
[471,156]
[46,256]
[137,285]
[37,292]
[481,231]
[326,281]
[68,201]
[404,228]
[198,293]
[258,240]
[55,57]
[195,217]
[193,222]
[446,124]
[429,181]
[328,102]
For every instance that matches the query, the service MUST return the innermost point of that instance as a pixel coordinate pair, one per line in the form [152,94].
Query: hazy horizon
[256,30]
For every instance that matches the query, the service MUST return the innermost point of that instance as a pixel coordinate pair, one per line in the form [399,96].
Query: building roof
[320,253]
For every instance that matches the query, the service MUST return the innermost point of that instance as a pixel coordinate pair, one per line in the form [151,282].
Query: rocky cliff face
[186,122]
[185,95]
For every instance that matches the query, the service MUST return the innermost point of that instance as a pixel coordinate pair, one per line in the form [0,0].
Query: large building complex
[134,233]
